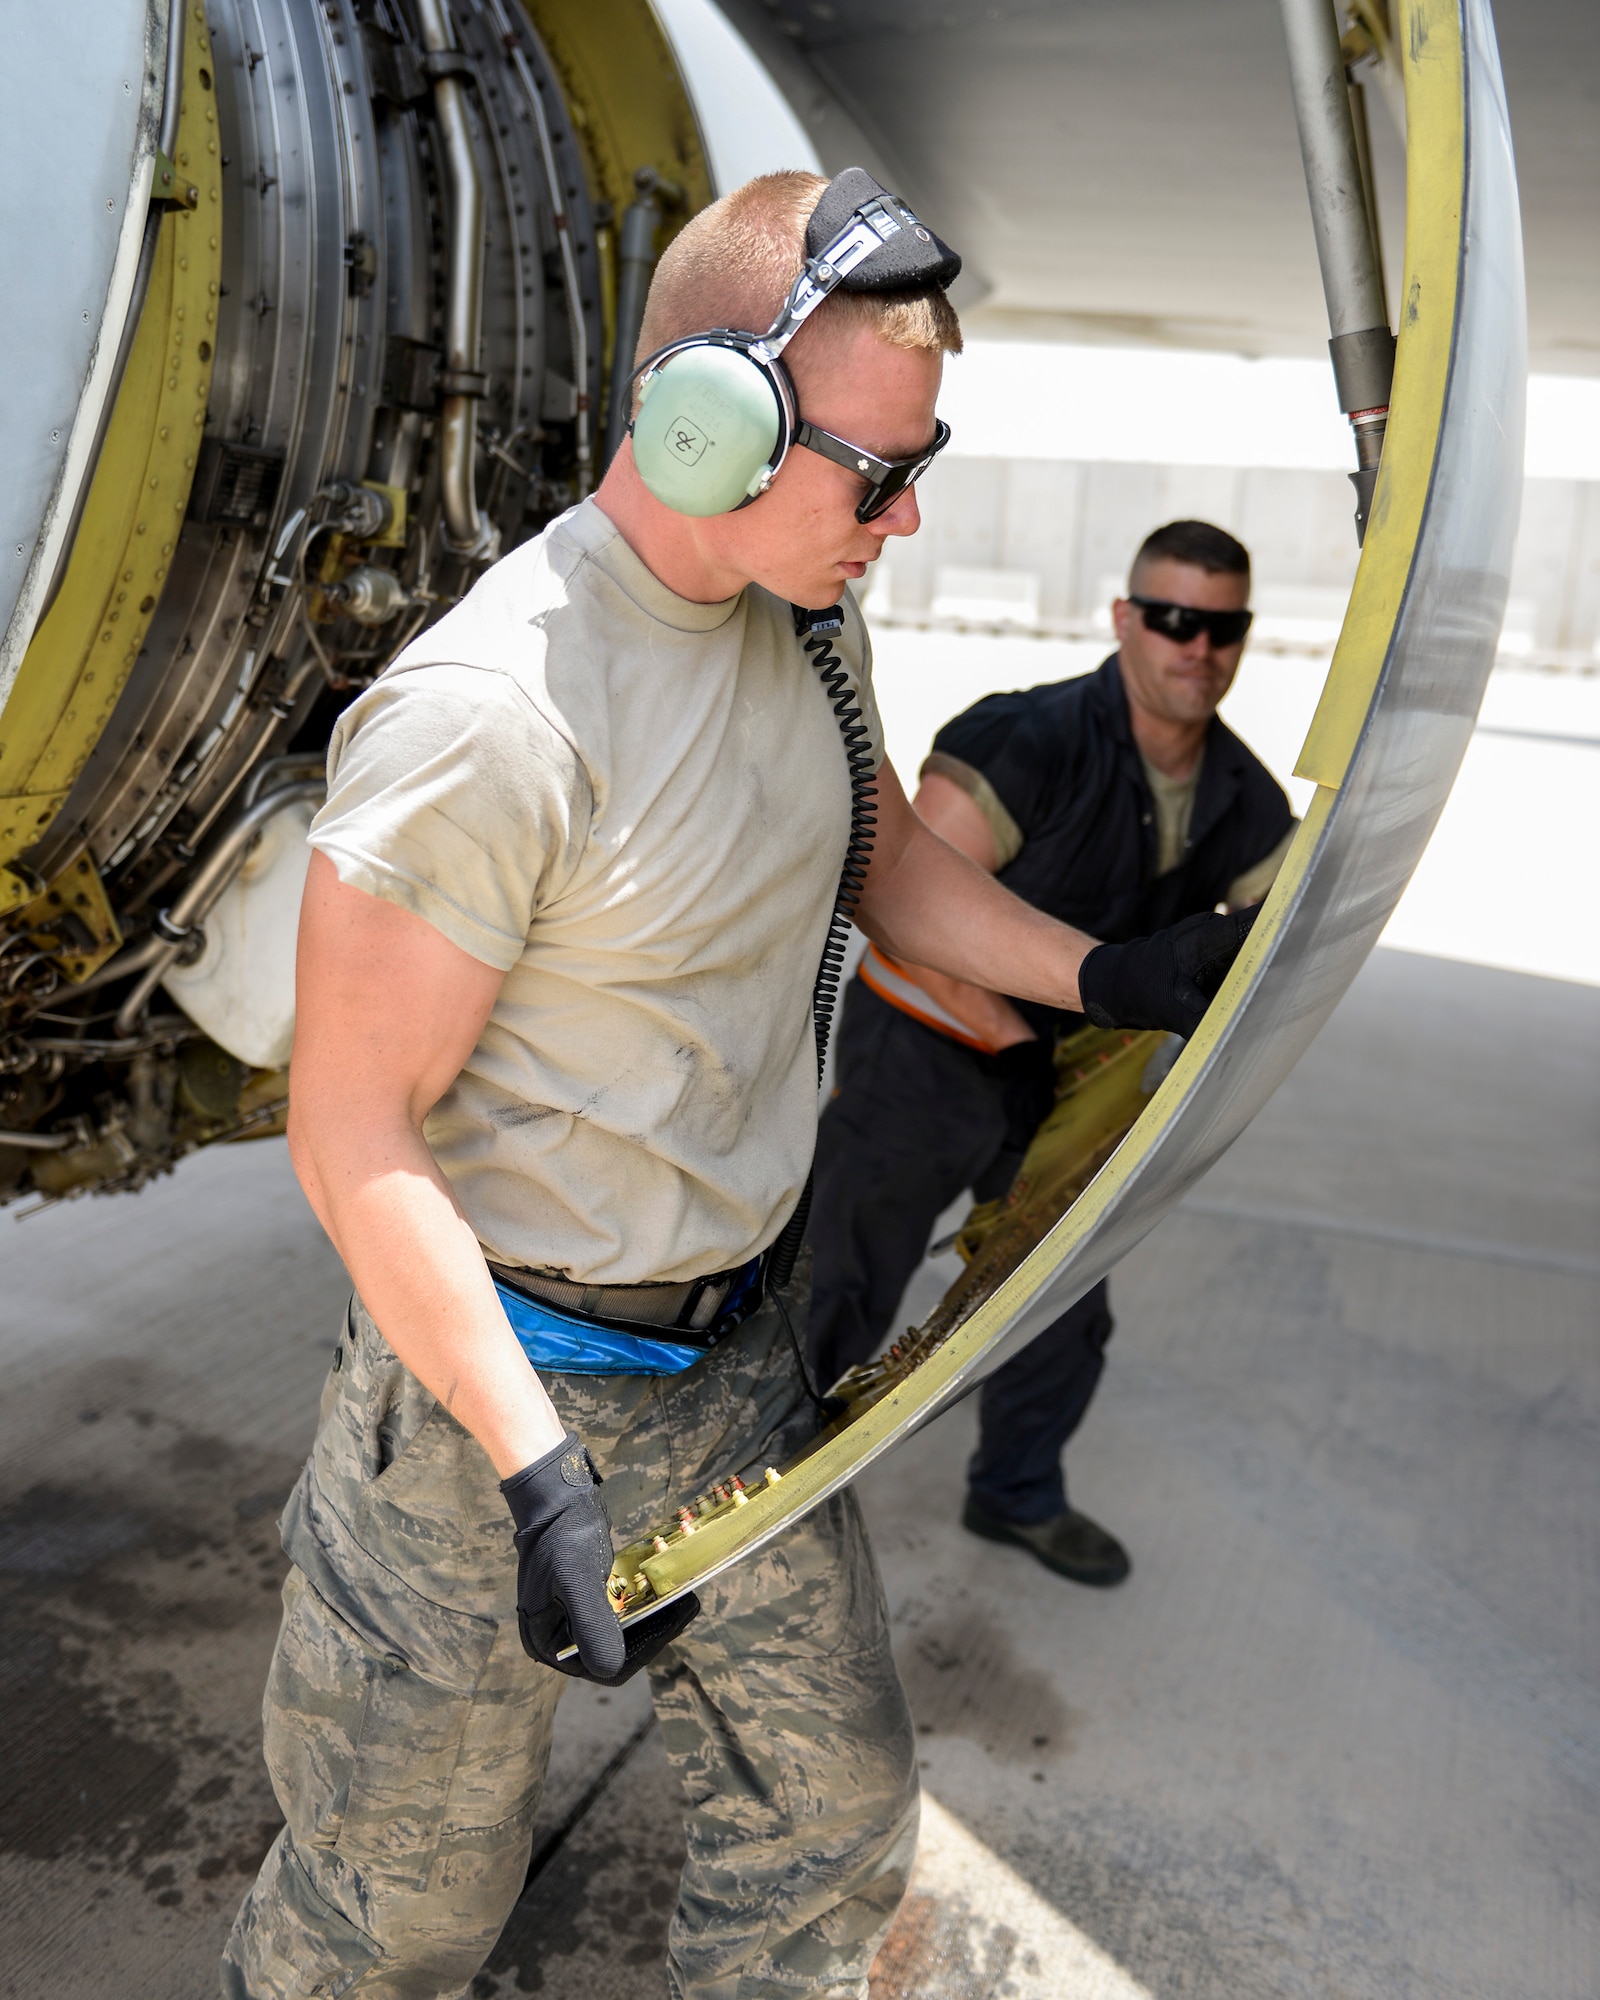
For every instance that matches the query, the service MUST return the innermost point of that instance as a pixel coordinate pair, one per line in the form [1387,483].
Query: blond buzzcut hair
[733,263]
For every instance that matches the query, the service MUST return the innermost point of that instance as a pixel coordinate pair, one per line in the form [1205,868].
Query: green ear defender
[712,425]
[718,412]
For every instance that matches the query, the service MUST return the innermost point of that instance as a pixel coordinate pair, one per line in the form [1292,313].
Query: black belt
[694,1309]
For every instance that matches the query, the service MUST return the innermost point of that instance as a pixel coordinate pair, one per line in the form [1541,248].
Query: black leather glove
[1166,981]
[563,1560]
[1027,1077]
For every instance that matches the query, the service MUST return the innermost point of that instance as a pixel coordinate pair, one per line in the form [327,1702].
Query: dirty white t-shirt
[637,807]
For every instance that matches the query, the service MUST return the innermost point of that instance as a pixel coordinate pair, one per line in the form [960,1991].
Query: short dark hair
[1197,542]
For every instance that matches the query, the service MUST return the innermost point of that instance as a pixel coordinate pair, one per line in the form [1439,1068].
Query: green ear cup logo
[704,442]
[686,440]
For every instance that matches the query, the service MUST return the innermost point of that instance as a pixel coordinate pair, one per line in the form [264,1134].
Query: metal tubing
[1370,34]
[276,772]
[1361,345]
[465,527]
[583,451]
[1350,279]
[207,883]
[636,260]
[133,959]
[1362,131]
[172,99]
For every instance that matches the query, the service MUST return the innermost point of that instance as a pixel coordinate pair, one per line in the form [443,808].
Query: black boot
[1072,1545]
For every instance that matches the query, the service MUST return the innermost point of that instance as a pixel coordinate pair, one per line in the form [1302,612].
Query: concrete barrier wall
[1043,544]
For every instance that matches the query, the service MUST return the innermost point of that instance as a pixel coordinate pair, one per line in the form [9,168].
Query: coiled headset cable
[817,630]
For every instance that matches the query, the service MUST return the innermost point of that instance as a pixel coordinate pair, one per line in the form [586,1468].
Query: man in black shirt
[1120,803]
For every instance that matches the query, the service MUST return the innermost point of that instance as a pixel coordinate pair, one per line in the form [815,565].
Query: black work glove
[1166,981]
[563,1560]
[1027,1077]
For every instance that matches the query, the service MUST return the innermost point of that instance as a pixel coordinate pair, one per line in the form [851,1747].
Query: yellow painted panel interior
[626,97]
[1430,41]
[86,645]
[70,920]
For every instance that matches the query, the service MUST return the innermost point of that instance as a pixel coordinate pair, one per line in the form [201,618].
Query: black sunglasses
[1182,622]
[887,478]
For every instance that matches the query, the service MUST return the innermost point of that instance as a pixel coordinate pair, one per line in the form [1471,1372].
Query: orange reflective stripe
[891,982]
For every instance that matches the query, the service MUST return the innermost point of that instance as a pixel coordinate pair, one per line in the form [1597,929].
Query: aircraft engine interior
[359,352]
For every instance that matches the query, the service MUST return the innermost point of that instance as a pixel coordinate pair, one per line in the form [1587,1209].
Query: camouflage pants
[407,1733]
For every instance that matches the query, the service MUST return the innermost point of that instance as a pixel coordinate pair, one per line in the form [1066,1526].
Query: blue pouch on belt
[551,1339]
[572,1345]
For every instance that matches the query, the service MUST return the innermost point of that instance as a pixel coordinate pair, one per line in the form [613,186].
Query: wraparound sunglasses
[887,478]
[1182,622]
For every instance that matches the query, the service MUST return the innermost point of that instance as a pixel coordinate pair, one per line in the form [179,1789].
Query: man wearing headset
[1117,802]
[554,1095]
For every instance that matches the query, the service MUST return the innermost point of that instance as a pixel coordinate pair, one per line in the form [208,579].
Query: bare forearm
[929,905]
[419,1270]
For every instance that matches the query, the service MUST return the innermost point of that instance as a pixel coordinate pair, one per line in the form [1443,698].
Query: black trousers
[915,1120]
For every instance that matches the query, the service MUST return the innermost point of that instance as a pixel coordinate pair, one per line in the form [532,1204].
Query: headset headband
[872,224]
[863,220]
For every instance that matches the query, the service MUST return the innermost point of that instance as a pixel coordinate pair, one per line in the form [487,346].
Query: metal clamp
[170,189]
[463,382]
[1363,368]
[168,931]
[436,64]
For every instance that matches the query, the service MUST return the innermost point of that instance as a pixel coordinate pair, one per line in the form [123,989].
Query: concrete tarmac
[1338,1736]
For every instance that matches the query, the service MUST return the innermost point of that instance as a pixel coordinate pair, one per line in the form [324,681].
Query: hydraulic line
[815,628]
[1361,126]
[636,258]
[1361,344]
[562,218]
[176,927]
[461,379]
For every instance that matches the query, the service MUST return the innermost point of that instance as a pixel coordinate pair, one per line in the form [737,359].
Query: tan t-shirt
[637,807]
[1174,804]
